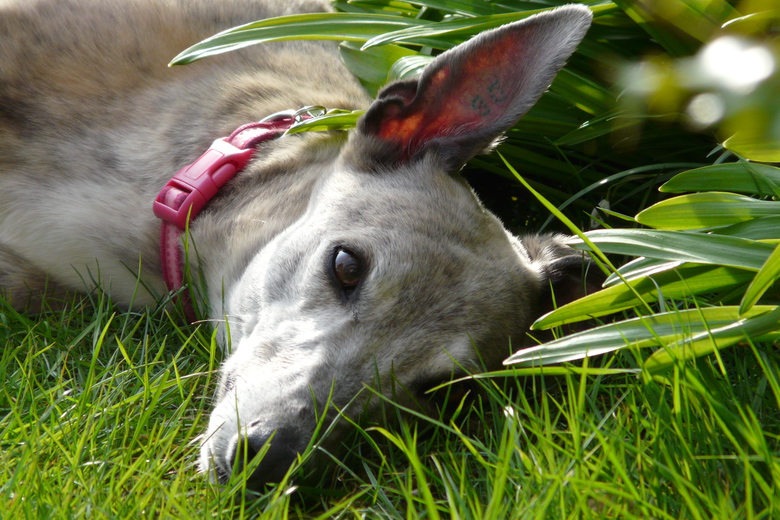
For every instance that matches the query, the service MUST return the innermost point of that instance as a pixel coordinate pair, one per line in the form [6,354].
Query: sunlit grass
[101,412]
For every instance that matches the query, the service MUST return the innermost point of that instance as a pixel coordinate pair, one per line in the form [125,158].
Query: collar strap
[185,195]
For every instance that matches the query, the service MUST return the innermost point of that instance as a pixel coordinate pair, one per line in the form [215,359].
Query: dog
[333,261]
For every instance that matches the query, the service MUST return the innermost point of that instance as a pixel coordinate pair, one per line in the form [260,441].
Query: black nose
[285,444]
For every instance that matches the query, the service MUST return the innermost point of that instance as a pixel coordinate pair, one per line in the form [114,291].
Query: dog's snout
[278,449]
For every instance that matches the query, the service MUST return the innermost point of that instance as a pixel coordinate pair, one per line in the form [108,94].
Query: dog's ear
[470,95]
[566,274]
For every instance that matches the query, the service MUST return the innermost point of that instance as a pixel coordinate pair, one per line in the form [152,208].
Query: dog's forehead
[418,199]
[404,222]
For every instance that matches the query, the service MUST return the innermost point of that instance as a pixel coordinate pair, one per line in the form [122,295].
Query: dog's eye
[348,268]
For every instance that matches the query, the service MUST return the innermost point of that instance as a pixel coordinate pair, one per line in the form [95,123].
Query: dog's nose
[282,452]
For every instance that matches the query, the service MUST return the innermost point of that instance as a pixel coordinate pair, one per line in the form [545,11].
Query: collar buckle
[193,186]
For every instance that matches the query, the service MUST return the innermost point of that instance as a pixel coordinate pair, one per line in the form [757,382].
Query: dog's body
[93,124]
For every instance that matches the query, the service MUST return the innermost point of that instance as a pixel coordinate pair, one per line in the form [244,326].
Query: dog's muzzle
[266,456]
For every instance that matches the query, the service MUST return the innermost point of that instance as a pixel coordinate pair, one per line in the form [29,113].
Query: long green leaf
[545,370]
[317,26]
[333,120]
[583,92]
[706,210]
[372,66]
[694,20]
[408,66]
[448,33]
[640,268]
[678,246]
[377,7]
[678,283]
[607,181]
[716,337]
[763,228]
[755,147]
[465,7]
[603,124]
[657,330]
[568,223]
[739,177]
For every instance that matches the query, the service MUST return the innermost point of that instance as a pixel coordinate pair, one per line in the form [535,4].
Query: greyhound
[334,261]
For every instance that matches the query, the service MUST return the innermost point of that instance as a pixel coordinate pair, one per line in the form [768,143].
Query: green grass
[101,411]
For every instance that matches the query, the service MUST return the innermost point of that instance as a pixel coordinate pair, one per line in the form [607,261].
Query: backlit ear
[470,95]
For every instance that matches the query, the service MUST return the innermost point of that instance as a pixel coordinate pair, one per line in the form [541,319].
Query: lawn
[101,413]
[679,417]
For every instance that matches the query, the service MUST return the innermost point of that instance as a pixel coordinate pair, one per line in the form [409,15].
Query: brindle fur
[92,125]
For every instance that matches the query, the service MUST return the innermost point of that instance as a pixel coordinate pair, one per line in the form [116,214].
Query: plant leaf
[762,228]
[372,66]
[606,181]
[716,337]
[766,276]
[645,331]
[408,67]
[316,26]
[739,177]
[677,246]
[332,120]
[465,8]
[677,283]
[753,147]
[692,21]
[446,34]
[705,210]
[640,268]
[603,124]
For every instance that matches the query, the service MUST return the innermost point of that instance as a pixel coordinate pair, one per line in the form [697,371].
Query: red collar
[182,197]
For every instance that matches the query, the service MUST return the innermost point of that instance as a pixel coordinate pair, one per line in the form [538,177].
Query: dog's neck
[192,187]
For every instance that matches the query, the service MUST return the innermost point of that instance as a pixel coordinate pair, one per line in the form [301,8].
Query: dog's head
[395,277]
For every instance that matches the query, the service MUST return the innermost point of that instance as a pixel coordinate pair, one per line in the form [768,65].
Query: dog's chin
[314,472]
